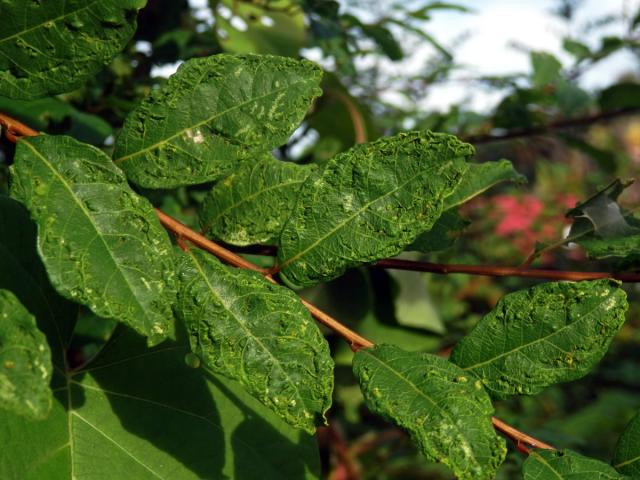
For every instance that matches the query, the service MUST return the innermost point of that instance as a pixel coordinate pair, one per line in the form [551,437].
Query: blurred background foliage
[569,141]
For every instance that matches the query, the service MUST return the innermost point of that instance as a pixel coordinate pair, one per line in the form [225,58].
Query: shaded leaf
[602,227]
[550,333]
[446,412]
[621,95]
[385,40]
[413,305]
[626,458]
[251,205]
[55,115]
[258,333]
[606,159]
[566,464]
[25,361]
[55,46]
[22,273]
[369,203]
[479,178]
[119,418]
[212,114]
[100,242]
[442,235]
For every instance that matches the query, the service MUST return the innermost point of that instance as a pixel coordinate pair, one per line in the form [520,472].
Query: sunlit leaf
[251,205]
[258,333]
[369,203]
[447,412]
[54,46]
[213,114]
[566,465]
[100,242]
[554,332]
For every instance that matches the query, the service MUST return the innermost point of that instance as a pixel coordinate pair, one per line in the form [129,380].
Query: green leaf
[258,333]
[369,203]
[578,49]
[284,35]
[626,458]
[413,307]
[22,273]
[25,361]
[442,235]
[550,333]
[52,47]
[251,205]
[602,227]
[212,114]
[101,243]
[140,413]
[446,412]
[546,68]
[566,465]
[385,40]
[54,114]
[479,178]
[621,95]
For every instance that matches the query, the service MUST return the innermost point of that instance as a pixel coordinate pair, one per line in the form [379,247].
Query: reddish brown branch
[15,129]
[498,271]
[519,438]
[544,129]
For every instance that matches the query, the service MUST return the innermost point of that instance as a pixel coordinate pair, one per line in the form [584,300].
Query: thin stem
[498,271]
[13,129]
[544,129]
[183,232]
[518,437]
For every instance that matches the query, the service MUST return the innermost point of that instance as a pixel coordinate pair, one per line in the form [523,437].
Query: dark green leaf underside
[554,332]
[481,177]
[566,465]
[25,361]
[212,115]
[626,458]
[54,46]
[251,205]
[120,418]
[369,203]
[447,413]
[100,242]
[258,333]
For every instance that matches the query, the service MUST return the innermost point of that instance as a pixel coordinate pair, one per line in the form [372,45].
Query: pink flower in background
[516,214]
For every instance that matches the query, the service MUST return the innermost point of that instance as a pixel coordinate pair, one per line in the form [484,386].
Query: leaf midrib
[86,212]
[536,341]
[248,198]
[444,413]
[244,327]
[207,120]
[348,219]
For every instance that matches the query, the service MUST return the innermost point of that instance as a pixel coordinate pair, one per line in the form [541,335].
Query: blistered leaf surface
[446,411]
[251,205]
[258,333]
[626,458]
[369,203]
[54,46]
[25,361]
[553,332]
[139,414]
[100,242]
[566,465]
[212,114]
